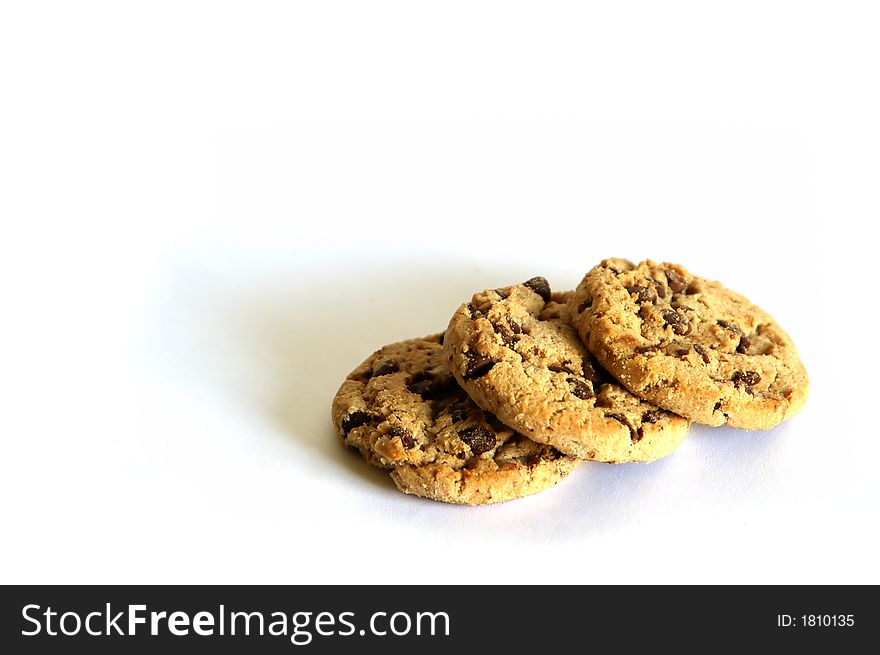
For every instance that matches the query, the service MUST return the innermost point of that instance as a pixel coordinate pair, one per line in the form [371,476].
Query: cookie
[689,344]
[515,353]
[403,411]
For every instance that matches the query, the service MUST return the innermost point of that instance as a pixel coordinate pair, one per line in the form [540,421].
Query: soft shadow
[307,335]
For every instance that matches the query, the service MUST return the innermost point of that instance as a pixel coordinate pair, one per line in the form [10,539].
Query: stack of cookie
[525,383]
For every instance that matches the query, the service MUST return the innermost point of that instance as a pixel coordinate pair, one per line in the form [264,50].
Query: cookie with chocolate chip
[515,353]
[403,411]
[689,344]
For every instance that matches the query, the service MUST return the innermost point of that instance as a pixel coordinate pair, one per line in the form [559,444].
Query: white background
[211,212]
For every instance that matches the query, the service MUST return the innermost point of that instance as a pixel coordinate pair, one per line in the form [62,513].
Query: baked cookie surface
[688,344]
[403,411]
[515,353]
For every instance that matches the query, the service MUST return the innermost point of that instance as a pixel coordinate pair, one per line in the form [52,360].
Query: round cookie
[402,410]
[515,353]
[689,344]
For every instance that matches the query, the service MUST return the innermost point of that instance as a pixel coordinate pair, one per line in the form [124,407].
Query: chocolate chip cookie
[515,353]
[689,344]
[403,411]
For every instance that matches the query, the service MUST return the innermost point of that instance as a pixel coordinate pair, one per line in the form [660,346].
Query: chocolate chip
[509,340]
[427,386]
[681,352]
[648,417]
[646,349]
[585,305]
[564,367]
[676,282]
[746,378]
[717,406]
[545,454]
[670,316]
[703,352]
[355,420]
[420,384]
[693,288]
[580,389]
[594,373]
[508,332]
[744,344]
[539,285]
[505,333]
[676,321]
[386,368]
[643,294]
[620,418]
[479,438]
[661,291]
[504,292]
[473,311]
[652,416]
[362,375]
[477,365]
[733,327]
[405,435]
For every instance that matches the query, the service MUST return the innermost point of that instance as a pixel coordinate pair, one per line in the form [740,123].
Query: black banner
[169,619]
